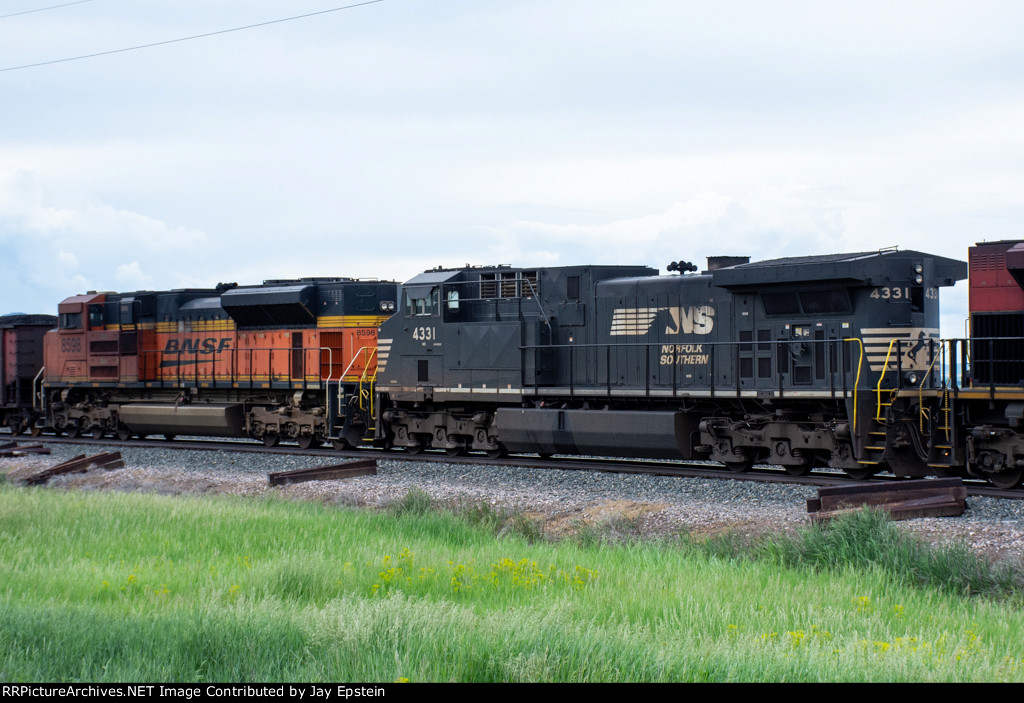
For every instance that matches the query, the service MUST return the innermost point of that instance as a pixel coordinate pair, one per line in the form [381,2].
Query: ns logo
[634,322]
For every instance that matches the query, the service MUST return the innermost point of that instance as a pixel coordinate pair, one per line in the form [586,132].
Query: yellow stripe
[351,320]
[197,326]
[212,325]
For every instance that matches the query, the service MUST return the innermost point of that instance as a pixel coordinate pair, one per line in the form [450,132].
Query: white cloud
[53,251]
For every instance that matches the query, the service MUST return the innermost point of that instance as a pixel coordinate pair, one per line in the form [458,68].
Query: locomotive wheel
[97,432]
[496,453]
[270,439]
[16,427]
[1006,479]
[74,429]
[861,474]
[417,449]
[123,433]
[36,431]
[169,437]
[307,440]
[340,444]
[739,467]
[797,469]
[455,451]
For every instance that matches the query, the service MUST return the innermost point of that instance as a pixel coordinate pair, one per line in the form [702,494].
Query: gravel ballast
[561,500]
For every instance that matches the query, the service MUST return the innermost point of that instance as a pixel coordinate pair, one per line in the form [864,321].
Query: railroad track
[629,466]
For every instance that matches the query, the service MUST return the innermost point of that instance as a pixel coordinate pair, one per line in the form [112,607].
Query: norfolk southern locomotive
[800,362]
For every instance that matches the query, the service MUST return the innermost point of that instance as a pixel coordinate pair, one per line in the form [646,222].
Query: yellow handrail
[368,352]
[860,364]
[881,377]
[920,388]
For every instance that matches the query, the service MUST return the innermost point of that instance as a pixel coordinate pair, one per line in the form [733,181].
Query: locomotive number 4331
[424,334]
[888,293]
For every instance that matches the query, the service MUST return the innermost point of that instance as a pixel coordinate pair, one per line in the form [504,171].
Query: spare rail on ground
[350,469]
[78,464]
[903,500]
[12,449]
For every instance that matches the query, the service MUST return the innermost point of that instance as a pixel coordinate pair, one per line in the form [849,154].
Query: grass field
[124,587]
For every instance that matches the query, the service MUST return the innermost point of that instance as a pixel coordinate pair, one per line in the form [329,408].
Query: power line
[195,36]
[41,9]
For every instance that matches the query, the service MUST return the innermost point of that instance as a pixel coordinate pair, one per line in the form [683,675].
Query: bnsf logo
[210,345]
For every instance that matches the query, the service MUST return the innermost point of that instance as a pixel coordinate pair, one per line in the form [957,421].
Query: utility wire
[195,36]
[41,9]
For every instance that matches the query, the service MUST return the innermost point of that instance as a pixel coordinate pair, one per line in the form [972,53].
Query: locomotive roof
[440,275]
[864,267]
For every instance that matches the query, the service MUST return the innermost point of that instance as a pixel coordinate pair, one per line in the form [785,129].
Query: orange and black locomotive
[287,359]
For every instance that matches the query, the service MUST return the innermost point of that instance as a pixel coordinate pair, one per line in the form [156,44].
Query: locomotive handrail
[920,388]
[881,377]
[372,351]
[832,366]
[330,374]
[856,381]
[41,397]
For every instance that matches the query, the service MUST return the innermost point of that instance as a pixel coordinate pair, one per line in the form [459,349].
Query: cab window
[427,304]
[70,320]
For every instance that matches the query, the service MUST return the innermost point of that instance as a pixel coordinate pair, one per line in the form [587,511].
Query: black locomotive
[800,362]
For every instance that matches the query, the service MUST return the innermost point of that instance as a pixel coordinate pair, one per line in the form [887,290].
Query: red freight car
[21,359]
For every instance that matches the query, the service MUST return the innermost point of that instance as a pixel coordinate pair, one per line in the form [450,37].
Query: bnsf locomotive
[288,359]
[801,362]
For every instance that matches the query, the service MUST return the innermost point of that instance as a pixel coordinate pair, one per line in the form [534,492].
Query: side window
[70,320]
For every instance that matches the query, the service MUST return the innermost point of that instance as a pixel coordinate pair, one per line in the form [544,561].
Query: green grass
[124,587]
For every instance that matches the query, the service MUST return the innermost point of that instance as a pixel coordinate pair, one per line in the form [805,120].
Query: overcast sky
[382,140]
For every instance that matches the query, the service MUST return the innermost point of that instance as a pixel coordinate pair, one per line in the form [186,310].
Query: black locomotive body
[793,361]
